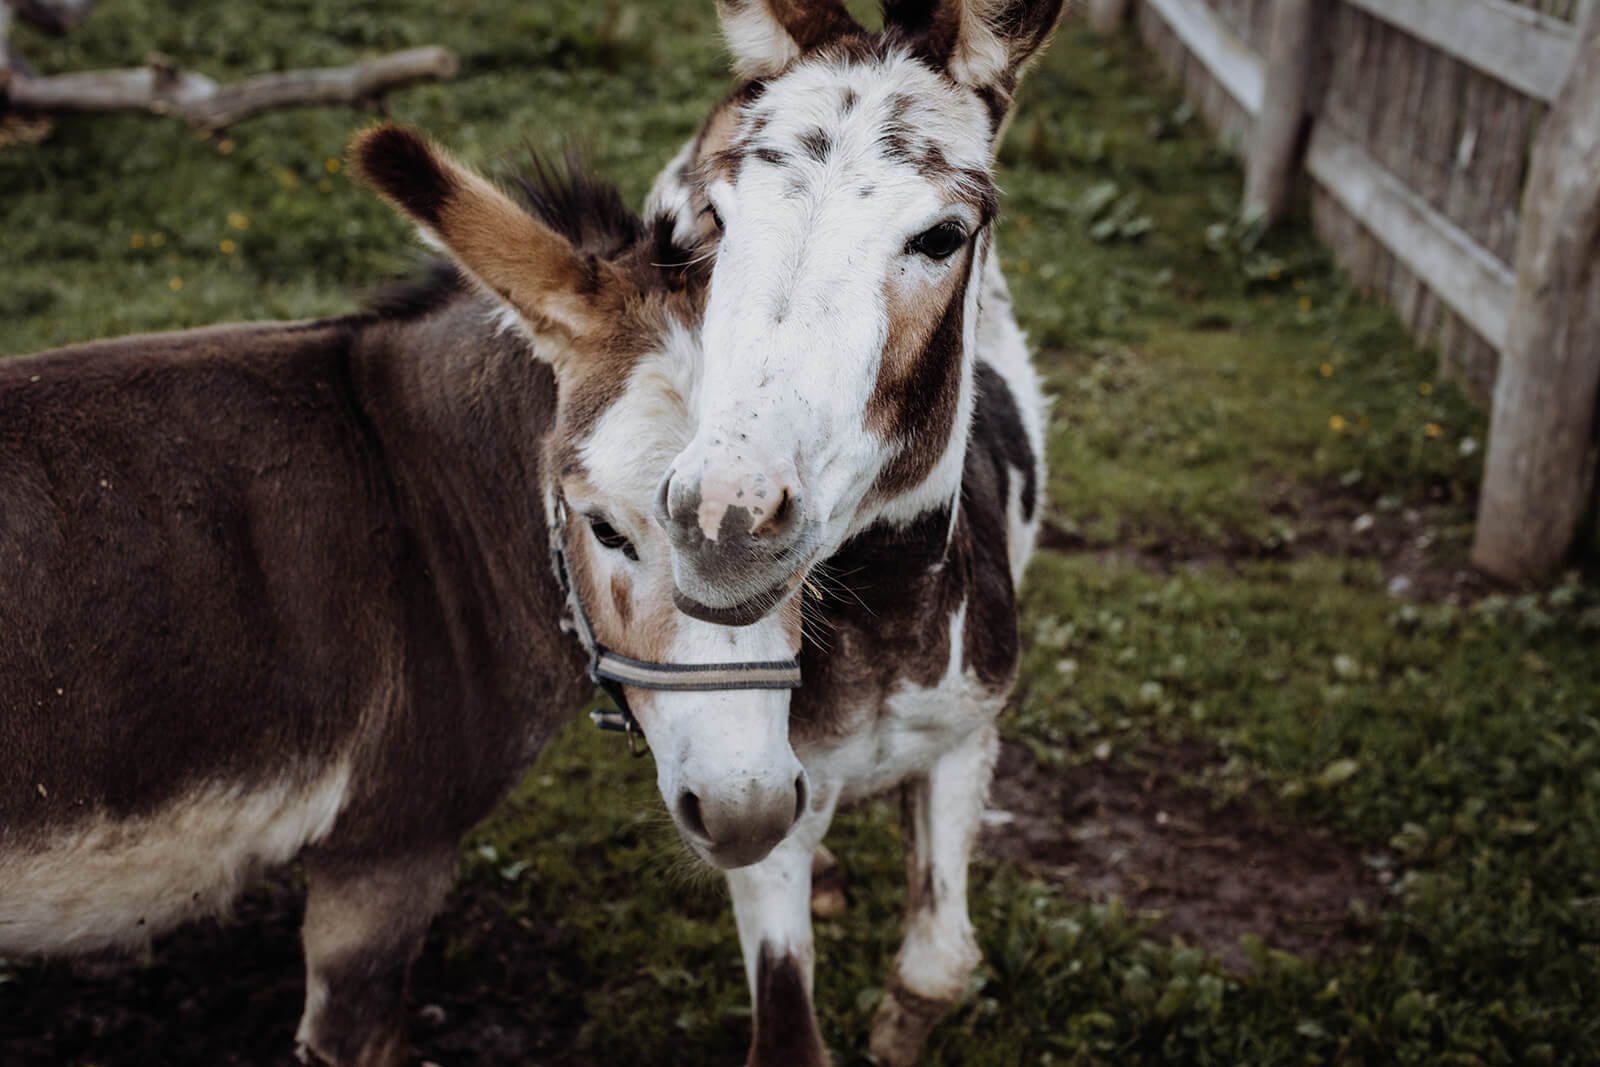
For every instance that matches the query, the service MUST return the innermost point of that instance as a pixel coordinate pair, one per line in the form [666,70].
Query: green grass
[1201,372]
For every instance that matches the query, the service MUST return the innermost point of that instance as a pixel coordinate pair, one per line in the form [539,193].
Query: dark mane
[587,210]
[583,208]
[435,283]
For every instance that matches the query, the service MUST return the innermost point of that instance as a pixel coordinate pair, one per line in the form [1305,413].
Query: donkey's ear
[765,35]
[984,44]
[501,247]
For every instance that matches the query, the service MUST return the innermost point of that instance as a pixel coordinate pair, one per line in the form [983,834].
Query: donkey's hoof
[900,1028]
[828,902]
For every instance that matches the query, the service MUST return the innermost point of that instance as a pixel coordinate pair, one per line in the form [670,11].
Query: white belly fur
[106,883]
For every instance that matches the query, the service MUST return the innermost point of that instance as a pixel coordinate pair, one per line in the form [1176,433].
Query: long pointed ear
[983,44]
[501,247]
[766,35]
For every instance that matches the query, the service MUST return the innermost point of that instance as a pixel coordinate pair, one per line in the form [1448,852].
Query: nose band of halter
[612,670]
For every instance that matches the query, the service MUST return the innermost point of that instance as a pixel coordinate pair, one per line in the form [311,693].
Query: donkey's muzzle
[737,830]
[736,543]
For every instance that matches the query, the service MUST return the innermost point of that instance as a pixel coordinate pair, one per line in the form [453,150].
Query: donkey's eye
[608,537]
[716,219]
[940,242]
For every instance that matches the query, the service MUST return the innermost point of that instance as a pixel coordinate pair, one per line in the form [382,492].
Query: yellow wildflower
[332,165]
[238,220]
[227,246]
[157,240]
[226,146]
[175,283]
[1433,429]
[1304,303]
[1336,423]
[136,241]
[1425,389]
[1327,370]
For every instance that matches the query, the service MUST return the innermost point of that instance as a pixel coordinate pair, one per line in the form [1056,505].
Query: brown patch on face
[622,599]
[914,400]
[594,369]
[623,621]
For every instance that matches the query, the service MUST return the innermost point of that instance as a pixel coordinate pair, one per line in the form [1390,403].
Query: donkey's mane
[434,283]
[568,197]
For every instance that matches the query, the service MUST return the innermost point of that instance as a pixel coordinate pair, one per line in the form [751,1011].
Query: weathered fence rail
[1452,152]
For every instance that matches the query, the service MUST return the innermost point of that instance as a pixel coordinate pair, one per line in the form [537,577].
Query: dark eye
[716,219]
[941,242]
[608,537]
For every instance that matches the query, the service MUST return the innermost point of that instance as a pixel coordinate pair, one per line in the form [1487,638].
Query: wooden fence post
[1275,145]
[1107,16]
[1543,421]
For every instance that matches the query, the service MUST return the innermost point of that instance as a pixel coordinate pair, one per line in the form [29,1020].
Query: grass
[1203,374]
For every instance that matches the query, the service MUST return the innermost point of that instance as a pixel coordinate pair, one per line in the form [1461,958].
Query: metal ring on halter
[610,671]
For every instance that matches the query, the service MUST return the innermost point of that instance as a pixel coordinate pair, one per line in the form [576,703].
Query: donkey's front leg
[772,906]
[365,920]
[940,815]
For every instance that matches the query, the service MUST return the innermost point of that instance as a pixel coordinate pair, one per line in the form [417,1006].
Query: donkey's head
[614,308]
[849,186]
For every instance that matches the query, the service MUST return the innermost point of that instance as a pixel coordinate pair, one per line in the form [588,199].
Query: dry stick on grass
[162,89]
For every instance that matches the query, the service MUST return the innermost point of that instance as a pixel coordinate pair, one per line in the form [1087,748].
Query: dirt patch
[1207,873]
[1334,521]
[485,991]
[1326,520]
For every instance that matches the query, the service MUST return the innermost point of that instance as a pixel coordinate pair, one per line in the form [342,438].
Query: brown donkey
[280,590]
[863,366]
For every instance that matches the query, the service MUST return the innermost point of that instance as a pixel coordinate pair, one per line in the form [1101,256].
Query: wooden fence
[1452,149]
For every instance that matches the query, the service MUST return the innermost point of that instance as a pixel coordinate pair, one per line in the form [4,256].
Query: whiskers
[668,861]
[706,256]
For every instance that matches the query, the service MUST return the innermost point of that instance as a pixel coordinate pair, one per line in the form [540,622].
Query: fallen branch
[162,89]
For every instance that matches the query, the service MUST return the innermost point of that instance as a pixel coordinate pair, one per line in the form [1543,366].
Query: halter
[612,670]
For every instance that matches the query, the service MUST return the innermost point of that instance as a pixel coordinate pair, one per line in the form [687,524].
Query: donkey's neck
[458,411]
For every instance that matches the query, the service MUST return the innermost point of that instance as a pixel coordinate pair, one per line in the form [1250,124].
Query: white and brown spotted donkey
[868,420]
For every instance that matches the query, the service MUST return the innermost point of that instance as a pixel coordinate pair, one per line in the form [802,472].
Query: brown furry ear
[984,44]
[766,35]
[504,249]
